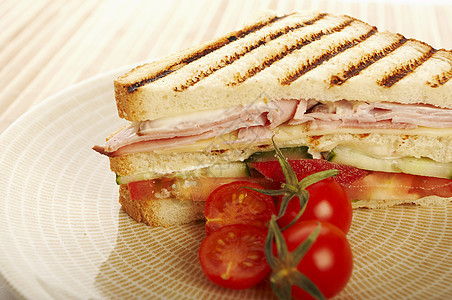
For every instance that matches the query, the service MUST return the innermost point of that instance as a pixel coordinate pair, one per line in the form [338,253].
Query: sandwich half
[324,87]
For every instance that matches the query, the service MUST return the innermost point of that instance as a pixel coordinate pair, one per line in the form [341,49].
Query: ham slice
[255,122]
[421,115]
[375,115]
[325,125]
[171,132]
[253,134]
[151,145]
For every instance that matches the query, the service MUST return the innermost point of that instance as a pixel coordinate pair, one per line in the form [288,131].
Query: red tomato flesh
[197,189]
[233,204]
[400,186]
[361,184]
[147,189]
[329,261]
[327,202]
[233,256]
[305,167]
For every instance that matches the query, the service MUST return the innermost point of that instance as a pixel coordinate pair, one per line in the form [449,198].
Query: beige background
[48,45]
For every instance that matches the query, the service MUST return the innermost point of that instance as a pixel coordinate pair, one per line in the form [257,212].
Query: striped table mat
[49,45]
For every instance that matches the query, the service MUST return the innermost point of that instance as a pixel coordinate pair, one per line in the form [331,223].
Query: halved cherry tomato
[327,202]
[305,167]
[329,261]
[233,256]
[233,204]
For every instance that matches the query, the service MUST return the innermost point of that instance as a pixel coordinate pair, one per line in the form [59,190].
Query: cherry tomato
[233,256]
[327,202]
[233,204]
[329,261]
[305,167]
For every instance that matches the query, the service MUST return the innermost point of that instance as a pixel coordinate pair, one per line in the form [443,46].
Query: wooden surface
[48,45]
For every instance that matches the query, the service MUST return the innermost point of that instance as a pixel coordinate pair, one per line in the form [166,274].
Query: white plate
[64,236]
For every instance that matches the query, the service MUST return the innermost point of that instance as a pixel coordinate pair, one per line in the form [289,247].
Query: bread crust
[425,201]
[162,212]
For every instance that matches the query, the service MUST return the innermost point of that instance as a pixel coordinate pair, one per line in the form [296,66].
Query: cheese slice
[296,134]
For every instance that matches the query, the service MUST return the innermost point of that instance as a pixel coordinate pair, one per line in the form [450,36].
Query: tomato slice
[201,188]
[233,204]
[233,256]
[147,189]
[426,186]
[187,189]
[305,167]
[397,186]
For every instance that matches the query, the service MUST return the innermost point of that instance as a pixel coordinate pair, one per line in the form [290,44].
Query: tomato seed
[253,257]
[248,264]
[241,197]
[231,235]
[226,275]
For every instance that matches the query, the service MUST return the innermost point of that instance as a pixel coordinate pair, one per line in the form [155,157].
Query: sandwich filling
[365,187]
[257,123]
[369,176]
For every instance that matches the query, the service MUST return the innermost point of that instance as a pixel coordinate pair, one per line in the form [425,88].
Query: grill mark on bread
[278,56]
[219,151]
[366,61]
[238,54]
[441,79]
[444,77]
[133,87]
[217,44]
[310,65]
[404,69]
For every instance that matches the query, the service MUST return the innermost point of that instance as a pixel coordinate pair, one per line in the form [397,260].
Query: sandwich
[324,87]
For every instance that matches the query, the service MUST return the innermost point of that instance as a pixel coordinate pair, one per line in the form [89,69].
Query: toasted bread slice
[306,55]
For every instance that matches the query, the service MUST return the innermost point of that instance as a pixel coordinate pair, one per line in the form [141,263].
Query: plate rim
[48,101]
[76,88]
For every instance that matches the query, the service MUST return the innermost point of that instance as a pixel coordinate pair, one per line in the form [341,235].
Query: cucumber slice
[409,165]
[131,178]
[425,166]
[236,169]
[300,152]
